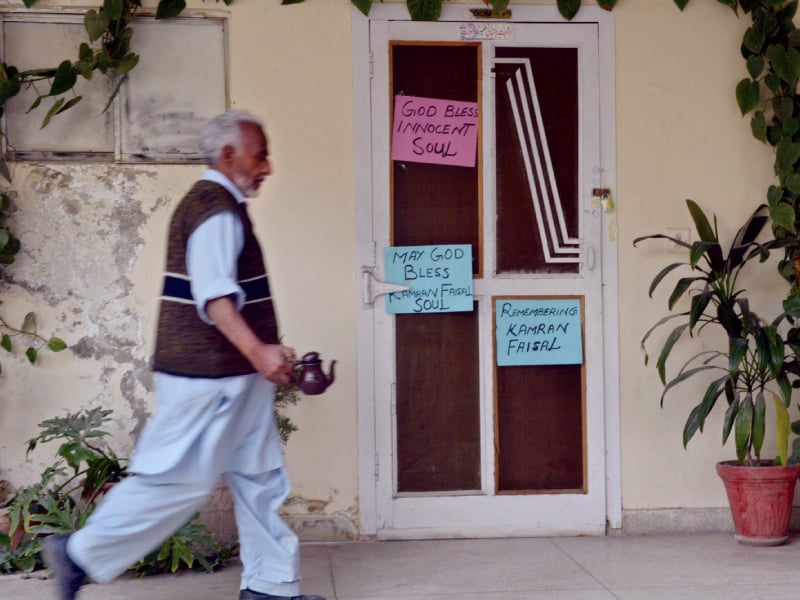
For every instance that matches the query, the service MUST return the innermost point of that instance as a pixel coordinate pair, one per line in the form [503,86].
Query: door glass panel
[436,204]
[438,390]
[536,120]
[540,428]
[438,415]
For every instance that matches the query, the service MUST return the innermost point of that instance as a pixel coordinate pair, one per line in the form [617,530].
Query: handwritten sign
[544,331]
[429,130]
[440,278]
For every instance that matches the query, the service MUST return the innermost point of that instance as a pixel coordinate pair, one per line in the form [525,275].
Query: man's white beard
[246,185]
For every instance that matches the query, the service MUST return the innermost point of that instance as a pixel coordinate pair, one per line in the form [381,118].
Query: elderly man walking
[217,361]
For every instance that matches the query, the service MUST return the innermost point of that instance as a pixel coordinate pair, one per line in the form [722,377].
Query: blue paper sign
[440,278]
[542,331]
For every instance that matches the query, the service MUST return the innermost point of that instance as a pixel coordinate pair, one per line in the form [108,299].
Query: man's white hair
[224,130]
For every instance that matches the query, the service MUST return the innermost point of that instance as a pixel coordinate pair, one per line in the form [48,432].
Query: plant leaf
[759,423]
[660,276]
[697,417]
[113,8]
[114,93]
[69,104]
[425,10]
[683,284]
[737,349]
[754,41]
[683,377]
[569,8]
[782,215]
[64,79]
[755,65]
[95,24]
[53,110]
[169,8]
[782,430]
[792,182]
[674,336]
[787,153]
[56,344]
[126,64]
[701,224]
[698,308]
[4,169]
[783,107]
[29,323]
[32,354]
[364,6]
[743,427]
[758,126]
[747,95]
[35,104]
[730,417]
[786,63]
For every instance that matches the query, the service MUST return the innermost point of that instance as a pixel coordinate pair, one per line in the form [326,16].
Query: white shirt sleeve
[211,257]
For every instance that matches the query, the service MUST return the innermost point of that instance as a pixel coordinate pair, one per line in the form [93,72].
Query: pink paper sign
[430,130]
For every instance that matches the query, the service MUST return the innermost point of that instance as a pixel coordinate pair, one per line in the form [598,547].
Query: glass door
[490,421]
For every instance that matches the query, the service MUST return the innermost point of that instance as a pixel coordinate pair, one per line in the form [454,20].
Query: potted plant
[751,369]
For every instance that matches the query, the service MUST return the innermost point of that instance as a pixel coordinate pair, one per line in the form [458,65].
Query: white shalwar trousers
[201,430]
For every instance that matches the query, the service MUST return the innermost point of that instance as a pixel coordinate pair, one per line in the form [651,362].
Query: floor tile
[679,560]
[391,569]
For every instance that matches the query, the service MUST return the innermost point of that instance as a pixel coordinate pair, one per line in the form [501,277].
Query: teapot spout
[331,375]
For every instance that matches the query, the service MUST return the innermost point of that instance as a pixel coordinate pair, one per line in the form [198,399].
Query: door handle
[371,287]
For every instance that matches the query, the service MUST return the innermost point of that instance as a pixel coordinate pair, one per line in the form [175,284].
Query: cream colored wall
[679,135]
[94,239]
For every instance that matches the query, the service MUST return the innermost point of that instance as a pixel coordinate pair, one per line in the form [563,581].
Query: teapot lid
[310,357]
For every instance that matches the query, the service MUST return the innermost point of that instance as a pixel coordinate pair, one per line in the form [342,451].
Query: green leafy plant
[190,547]
[26,557]
[284,396]
[81,449]
[25,513]
[753,355]
[69,490]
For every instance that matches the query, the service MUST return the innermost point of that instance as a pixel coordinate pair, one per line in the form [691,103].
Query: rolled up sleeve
[211,258]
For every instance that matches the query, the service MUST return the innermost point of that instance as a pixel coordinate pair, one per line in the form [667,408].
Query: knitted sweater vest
[185,345]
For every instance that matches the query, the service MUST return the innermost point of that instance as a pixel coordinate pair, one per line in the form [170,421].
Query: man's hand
[273,361]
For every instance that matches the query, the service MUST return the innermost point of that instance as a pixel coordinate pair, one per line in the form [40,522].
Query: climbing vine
[771,49]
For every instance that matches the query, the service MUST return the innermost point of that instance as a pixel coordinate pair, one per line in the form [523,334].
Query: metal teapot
[309,376]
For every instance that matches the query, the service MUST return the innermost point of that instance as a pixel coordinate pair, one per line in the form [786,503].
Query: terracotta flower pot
[761,500]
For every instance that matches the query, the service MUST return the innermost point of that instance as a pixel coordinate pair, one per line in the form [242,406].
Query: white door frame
[366,250]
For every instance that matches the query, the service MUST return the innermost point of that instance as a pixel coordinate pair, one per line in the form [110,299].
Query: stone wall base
[684,520]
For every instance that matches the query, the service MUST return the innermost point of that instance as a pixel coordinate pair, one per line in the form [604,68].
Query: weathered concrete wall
[84,230]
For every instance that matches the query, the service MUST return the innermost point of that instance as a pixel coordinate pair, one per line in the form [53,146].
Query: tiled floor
[663,567]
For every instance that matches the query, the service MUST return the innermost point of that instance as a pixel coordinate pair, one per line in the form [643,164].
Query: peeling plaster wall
[86,270]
